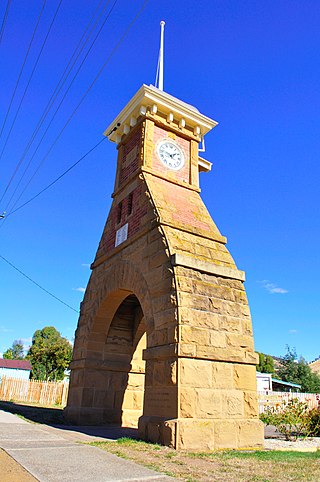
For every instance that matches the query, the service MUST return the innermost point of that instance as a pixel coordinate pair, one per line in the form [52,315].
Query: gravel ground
[276,441]
[308,444]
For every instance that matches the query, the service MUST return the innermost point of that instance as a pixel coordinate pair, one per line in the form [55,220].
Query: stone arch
[104,365]
[116,283]
[122,359]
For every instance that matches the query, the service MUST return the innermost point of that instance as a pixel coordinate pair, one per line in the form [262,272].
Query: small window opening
[130,200]
[119,214]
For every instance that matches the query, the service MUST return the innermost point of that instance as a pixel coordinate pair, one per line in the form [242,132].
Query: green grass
[221,466]
[274,455]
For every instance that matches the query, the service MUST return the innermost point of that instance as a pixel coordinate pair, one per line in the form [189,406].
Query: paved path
[56,454]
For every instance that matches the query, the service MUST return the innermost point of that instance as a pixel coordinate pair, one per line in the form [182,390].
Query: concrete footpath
[55,454]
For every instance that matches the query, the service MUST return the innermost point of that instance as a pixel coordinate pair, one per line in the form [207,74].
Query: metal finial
[159,75]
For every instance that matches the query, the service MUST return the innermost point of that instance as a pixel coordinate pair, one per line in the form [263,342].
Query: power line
[4,21]
[22,67]
[37,284]
[57,179]
[54,96]
[113,51]
[25,91]
[57,109]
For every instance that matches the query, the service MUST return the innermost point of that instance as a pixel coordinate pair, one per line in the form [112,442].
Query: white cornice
[149,97]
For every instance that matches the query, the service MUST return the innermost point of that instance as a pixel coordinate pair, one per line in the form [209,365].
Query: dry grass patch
[231,466]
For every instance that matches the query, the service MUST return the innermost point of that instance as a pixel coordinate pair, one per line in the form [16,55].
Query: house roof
[17,364]
[287,384]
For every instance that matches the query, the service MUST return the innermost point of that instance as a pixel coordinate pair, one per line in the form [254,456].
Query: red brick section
[135,219]
[157,166]
[127,169]
[18,364]
[185,210]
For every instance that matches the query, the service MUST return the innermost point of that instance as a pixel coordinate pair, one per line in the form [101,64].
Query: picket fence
[34,391]
[277,399]
[56,393]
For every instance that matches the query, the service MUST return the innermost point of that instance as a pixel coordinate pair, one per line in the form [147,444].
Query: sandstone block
[185,284]
[164,373]
[199,318]
[153,432]
[188,399]
[252,357]
[169,433]
[164,303]
[197,302]
[130,418]
[161,402]
[251,409]
[188,350]
[244,377]
[230,324]
[247,326]
[166,318]
[87,397]
[222,354]
[191,335]
[135,381]
[195,435]
[226,434]
[208,404]
[222,375]
[127,400]
[232,403]
[238,340]
[240,296]
[251,434]
[158,259]
[101,398]
[195,373]
[217,339]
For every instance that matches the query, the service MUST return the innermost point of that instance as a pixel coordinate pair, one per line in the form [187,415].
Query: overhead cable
[37,284]
[113,51]
[4,21]
[24,94]
[52,100]
[22,67]
[56,180]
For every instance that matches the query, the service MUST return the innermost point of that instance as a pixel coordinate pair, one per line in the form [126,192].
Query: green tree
[296,370]
[15,352]
[266,364]
[50,354]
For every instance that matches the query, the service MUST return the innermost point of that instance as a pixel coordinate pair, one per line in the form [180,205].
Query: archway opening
[125,342]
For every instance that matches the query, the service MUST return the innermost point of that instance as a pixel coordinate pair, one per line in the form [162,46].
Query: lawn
[230,466]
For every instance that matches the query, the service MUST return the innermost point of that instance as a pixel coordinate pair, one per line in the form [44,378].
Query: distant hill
[315,365]
[277,361]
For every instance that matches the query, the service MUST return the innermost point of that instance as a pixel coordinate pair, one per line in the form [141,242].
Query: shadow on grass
[55,417]
[35,414]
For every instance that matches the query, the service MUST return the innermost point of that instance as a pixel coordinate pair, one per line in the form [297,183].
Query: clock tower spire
[159,75]
[164,339]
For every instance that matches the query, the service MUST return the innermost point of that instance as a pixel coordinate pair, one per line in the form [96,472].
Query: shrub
[293,419]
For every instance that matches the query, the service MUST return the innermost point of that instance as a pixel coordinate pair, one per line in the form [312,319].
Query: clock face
[170,154]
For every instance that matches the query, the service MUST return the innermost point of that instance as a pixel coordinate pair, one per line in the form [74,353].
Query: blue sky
[253,66]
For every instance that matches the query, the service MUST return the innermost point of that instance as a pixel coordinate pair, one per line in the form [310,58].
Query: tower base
[202,435]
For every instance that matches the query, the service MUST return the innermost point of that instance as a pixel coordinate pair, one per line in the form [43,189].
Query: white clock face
[170,154]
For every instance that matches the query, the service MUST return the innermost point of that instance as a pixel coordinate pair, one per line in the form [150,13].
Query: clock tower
[164,340]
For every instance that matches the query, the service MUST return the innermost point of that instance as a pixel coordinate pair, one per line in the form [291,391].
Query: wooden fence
[56,393]
[277,399]
[44,393]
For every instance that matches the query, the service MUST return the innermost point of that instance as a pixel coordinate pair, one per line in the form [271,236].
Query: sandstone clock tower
[164,340]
